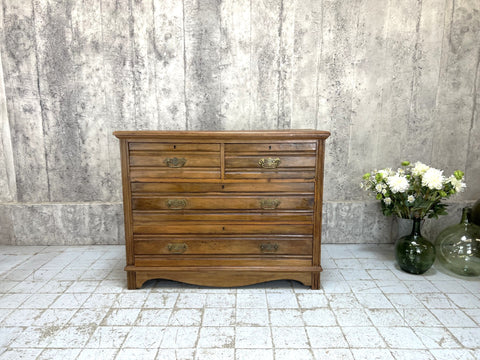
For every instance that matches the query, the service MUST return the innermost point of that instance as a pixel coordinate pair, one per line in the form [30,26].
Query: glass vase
[414,253]
[458,247]
[476,213]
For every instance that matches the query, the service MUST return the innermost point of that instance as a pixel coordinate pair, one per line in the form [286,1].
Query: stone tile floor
[71,302]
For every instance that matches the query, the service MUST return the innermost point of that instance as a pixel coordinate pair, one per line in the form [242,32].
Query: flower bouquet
[413,192]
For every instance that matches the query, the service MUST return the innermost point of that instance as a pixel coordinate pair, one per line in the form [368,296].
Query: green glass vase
[414,253]
[458,246]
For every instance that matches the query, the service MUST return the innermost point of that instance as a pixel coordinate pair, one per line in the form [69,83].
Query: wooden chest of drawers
[222,208]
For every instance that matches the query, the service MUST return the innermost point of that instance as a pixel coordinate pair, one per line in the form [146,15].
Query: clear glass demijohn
[458,247]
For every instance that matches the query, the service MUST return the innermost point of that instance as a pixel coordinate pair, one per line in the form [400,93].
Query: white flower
[420,169]
[386,172]
[387,201]
[411,198]
[384,191]
[398,183]
[459,185]
[379,187]
[433,179]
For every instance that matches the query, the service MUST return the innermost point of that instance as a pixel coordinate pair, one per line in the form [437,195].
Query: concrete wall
[391,80]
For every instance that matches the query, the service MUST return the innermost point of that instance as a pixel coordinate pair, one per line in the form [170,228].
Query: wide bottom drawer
[301,245]
[193,228]
[208,261]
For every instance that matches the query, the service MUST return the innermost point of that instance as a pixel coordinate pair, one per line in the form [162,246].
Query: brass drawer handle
[177,248]
[176,204]
[268,247]
[175,162]
[269,163]
[269,204]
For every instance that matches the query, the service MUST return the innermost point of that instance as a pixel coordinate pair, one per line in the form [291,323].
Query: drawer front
[153,161]
[253,202]
[173,146]
[271,147]
[306,174]
[270,161]
[300,245]
[245,187]
[149,174]
[200,228]
[159,218]
[230,260]
[173,160]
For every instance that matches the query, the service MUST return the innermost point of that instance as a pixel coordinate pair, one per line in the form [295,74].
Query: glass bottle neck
[416,227]
[465,215]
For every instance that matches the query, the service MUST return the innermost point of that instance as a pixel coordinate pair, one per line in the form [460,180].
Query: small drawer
[156,161]
[300,245]
[270,162]
[258,203]
[271,147]
[152,174]
[256,173]
[173,146]
[173,160]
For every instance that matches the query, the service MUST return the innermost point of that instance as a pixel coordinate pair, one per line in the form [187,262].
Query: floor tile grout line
[412,293]
[412,328]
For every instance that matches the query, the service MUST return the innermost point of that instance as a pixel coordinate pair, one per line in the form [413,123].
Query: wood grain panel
[236,246]
[223,228]
[223,278]
[191,187]
[286,161]
[264,261]
[152,174]
[253,202]
[270,146]
[166,216]
[160,159]
[173,146]
[292,173]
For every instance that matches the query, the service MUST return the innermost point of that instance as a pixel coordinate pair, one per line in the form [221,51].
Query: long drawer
[155,218]
[221,188]
[193,228]
[252,202]
[282,245]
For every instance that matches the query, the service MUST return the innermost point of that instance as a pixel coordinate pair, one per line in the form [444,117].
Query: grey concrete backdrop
[392,80]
